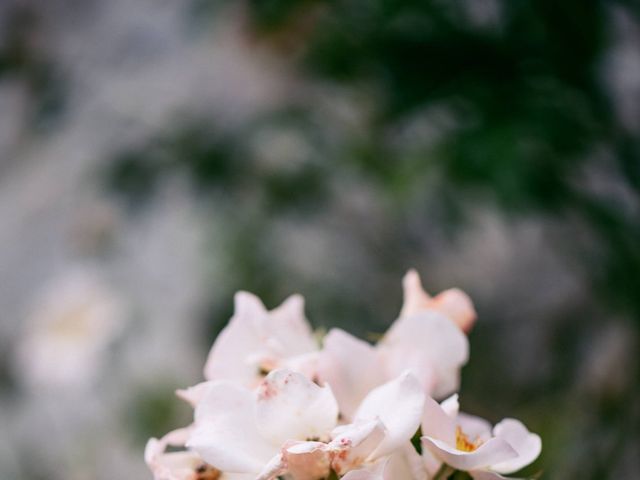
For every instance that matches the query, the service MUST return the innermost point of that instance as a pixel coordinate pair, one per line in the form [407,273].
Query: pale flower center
[73,323]
[464,444]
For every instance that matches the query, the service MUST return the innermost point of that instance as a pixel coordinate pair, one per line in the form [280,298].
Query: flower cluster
[276,405]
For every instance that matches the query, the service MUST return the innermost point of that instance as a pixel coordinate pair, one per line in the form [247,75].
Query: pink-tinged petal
[493,451]
[403,464]
[475,428]
[256,341]
[487,475]
[399,405]
[174,465]
[432,339]
[457,306]
[290,329]
[375,471]
[292,407]
[351,367]
[307,460]
[354,443]
[453,303]
[193,395]
[451,406]
[417,361]
[528,445]
[274,468]
[225,433]
[415,297]
[240,340]
[430,462]
[179,465]
[306,364]
[406,463]
[175,438]
[436,423]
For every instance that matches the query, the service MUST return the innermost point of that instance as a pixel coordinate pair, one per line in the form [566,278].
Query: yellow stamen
[464,444]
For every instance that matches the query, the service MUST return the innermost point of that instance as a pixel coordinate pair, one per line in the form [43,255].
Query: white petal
[306,364]
[489,453]
[476,428]
[430,462]
[193,395]
[527,445]
[353,444]
[375,471]
[274,468]
[451,406]
[351,367]
[395,467]
[399,405]
[239,341]
[406,463]
[437,424]
[289,326]
[175,465]
[415,297]
[164,465]
[292,407]
[225,432]
[431,339]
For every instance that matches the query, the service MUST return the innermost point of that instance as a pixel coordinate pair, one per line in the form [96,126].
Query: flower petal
[451,405]
[406,463]
[453,303]
[399,405]
[403,464]
[238,342]
[436,423]
[431,346]
[290,329]
[493,451]
[292,407]
[192,395]
[306,364]
[457,306]
[476,428]
[351,367]
[375,471]
[528,445]
[415,297]
[179,465]
[353,444]
[225,433]
[274,468]
[308,460]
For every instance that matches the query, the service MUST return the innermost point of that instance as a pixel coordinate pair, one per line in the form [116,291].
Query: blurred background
[157,156]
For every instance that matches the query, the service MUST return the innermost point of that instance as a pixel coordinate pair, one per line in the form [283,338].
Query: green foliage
[154,412]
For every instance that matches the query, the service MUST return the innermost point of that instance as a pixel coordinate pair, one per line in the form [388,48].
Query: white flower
[289,425]
[257,341]
[68,333]
[469,443]
[424,341]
